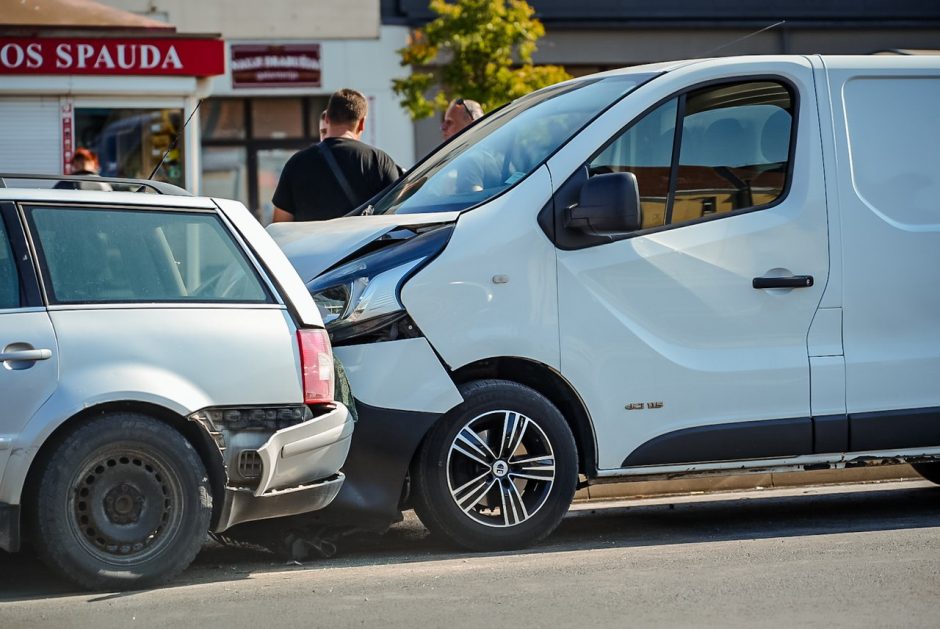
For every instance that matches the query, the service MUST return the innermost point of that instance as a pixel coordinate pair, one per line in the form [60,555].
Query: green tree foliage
[485,47]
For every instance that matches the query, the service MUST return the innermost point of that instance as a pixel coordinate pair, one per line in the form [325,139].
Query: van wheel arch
[553,386]
[207,451]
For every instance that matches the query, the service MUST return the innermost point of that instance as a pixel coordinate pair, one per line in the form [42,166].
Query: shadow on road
[745,516]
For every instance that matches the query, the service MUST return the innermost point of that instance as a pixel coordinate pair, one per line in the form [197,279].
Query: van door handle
[26,355]
[794,281]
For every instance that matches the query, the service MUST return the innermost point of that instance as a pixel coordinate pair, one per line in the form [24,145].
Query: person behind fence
[459,115]
[329,179]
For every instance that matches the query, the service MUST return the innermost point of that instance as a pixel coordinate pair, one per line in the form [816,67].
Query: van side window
[735,146]
[645,149]
[733,152]
[9,279]
[109,256]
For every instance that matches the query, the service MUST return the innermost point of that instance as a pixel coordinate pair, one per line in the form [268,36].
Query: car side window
[107,256]
[733,153]
[9,279]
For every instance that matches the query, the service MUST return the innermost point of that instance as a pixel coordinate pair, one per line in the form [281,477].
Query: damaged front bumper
[401,388]
[278,461]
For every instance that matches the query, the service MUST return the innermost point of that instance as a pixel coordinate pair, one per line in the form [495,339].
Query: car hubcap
[500,468]
[125,507]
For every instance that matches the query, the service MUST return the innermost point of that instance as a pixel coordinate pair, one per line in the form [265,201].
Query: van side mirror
[607,204]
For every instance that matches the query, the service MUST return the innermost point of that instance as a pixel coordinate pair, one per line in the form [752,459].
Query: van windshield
[503,148]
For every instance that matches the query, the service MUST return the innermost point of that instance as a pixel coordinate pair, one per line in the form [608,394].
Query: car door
[687,338]
[28,351]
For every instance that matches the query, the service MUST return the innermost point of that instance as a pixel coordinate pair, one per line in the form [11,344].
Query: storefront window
[277,118]
[270,164]
[225,172]
[247,141]
[131,142]
[223,119]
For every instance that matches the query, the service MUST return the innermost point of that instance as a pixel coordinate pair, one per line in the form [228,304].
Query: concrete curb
[642,489]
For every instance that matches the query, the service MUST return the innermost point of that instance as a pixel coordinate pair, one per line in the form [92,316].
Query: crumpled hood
[314,246]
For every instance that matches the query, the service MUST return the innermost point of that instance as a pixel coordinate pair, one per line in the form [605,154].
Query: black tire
[930,471]
[506,511]
[123,502]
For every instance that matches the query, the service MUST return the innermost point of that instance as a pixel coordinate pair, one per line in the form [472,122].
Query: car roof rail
[125,184]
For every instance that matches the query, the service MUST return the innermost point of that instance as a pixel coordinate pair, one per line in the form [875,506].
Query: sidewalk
[640,489]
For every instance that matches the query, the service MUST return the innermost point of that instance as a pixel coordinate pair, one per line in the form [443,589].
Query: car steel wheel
[125,506]
[122,500]
[500,468]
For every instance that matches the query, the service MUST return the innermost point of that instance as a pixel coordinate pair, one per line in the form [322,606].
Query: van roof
[830,61]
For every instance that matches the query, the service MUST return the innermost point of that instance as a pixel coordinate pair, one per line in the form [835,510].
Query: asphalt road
[848,556]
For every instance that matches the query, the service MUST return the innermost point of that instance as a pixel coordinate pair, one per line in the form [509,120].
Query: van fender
[404,375]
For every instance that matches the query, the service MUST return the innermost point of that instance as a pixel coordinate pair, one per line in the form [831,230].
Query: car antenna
[176,139]
[741,39]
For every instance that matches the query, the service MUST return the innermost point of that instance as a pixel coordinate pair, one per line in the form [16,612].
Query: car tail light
[316,365]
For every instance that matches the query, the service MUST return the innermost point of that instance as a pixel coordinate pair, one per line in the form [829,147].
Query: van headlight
[363,294]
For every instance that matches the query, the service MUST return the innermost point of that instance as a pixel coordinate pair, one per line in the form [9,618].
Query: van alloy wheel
[501,468]
[498,471]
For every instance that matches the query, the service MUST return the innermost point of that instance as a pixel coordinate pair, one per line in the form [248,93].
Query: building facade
[283,60]
[74,75]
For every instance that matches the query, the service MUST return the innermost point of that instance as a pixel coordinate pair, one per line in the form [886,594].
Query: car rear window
[92,255]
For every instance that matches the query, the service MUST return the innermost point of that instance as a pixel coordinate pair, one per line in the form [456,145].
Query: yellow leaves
[484,50]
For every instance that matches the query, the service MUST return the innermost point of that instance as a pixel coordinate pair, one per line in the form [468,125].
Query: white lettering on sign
[84,52]
[104,59]
[12,56]
[172,60]
[15,56]
[98,56]
[127,56]
[274,62]
[34,52]
[63,56]
[149,56]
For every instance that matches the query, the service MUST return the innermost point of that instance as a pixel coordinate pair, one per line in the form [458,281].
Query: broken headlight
[362,295]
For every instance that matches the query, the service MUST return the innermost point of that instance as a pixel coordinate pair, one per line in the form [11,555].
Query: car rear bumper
[299,471]
[242,505]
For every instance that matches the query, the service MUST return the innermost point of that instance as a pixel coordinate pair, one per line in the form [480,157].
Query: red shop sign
[288,65]
[120,56]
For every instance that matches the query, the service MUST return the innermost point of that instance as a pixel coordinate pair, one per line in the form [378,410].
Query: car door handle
[794,281]
[26,354]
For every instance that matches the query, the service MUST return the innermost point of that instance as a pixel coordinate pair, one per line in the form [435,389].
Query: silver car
[163,373]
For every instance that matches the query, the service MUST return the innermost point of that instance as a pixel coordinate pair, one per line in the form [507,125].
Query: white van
[708,266]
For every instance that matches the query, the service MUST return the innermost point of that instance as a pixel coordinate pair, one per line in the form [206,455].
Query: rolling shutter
[30,135]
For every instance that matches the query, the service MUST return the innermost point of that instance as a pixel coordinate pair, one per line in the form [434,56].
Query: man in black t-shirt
[310,190]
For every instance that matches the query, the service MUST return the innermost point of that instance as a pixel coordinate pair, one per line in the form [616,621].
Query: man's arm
[283,195]
[389,171]
[282,216]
